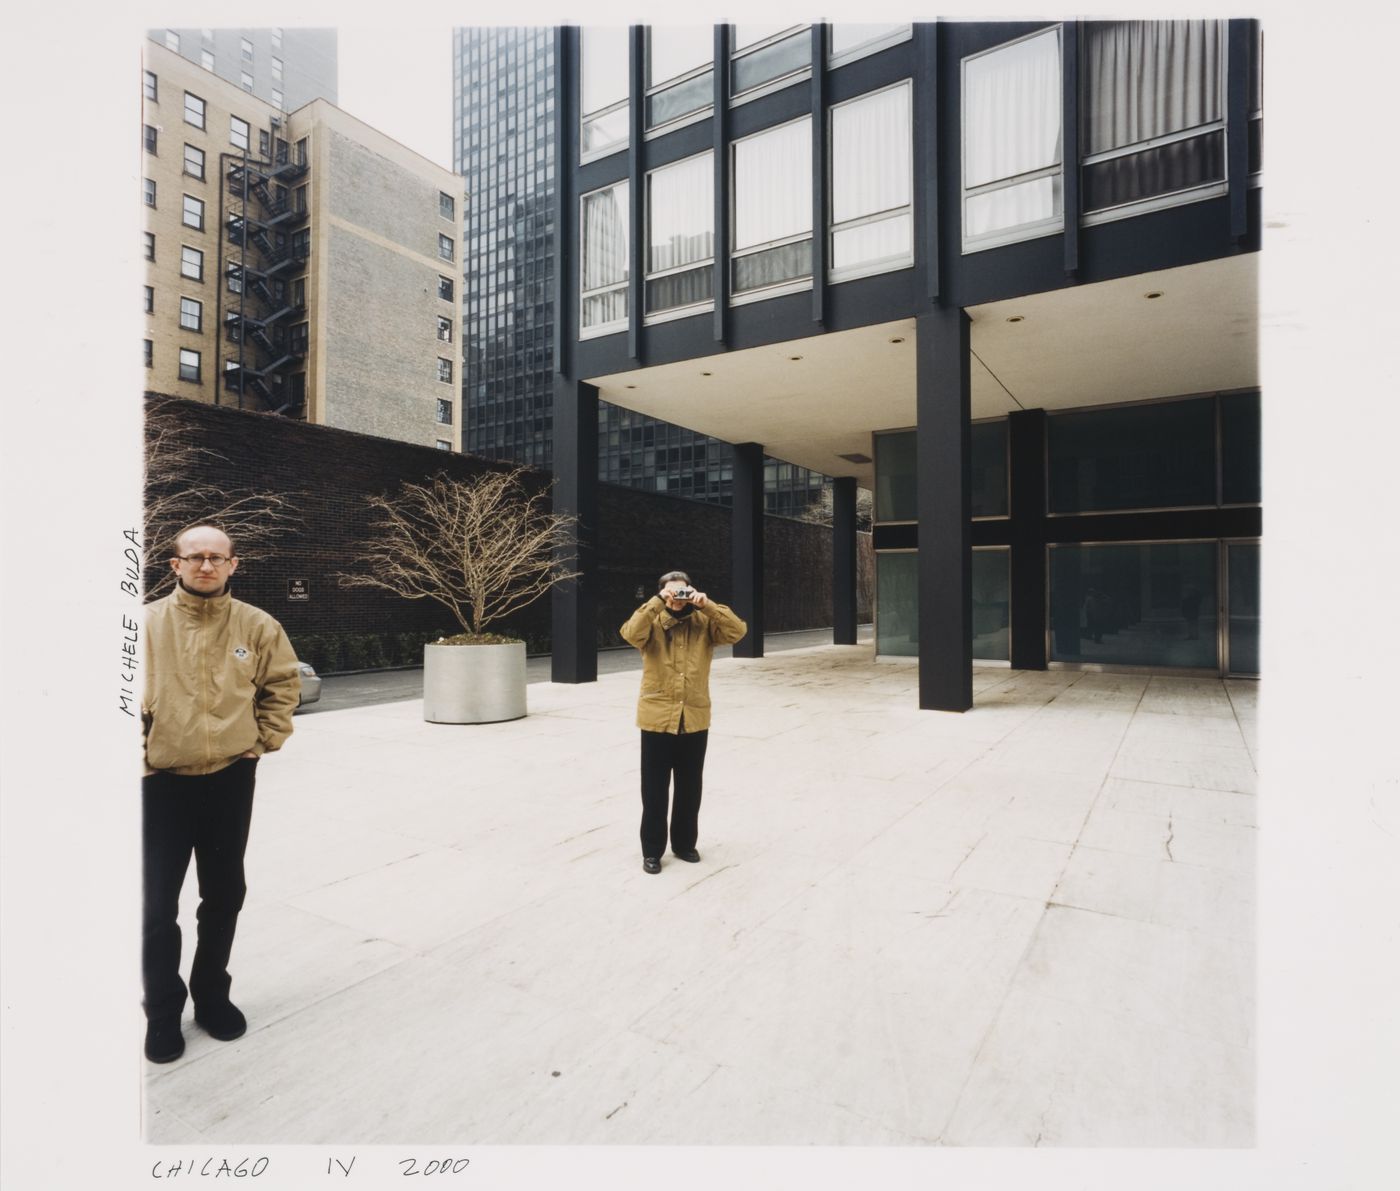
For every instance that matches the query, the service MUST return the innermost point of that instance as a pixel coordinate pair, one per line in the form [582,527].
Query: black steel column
[1026,448]
[843,560]
[943,446]
[747,545]
[574,651]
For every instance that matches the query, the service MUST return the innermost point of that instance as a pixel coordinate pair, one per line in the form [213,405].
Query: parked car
[310,685]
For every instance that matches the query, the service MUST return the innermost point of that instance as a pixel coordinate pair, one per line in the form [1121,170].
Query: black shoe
[690,855]
[651,864]
[164,1041]
[221,1020]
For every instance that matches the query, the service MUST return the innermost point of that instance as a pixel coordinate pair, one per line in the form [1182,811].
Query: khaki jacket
[221,680]
[676,653]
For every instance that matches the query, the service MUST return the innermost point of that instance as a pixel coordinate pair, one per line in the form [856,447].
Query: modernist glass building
[504,134]
[1004,274]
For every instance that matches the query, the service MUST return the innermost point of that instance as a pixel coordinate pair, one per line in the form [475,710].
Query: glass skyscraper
[503,135]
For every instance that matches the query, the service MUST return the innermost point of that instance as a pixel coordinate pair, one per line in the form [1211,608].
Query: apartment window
[849,42]
[299,339]
[447,247]
[1153,114]
[681,235]
[447,206]
[304,151]
[277,39]
[1012,142]
[191,314]
[264,143]
[150,299]
[149,187]
[152,87]
[444,329]
[679,74]
[765,57]
[277,69]
[443,445]
[193,213]
[445,289]
[149,242]
[191,263]
[444,370]
[148,137]
[246,47]
[189,365]
[194,162]
[276,97]
[773,210]
[604,267]
[235,278]
[172,40]
[238,133]
[299,293]
[872,224]
[603,93]
[206,59]
[300,196]
[444,411]
[148,352]
[194,110]
[245,80]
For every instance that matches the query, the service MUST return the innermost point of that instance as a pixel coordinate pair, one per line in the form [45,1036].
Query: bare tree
[178,493]
[820,511]
[482,548]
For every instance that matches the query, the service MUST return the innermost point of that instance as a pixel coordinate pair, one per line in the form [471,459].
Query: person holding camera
[676,631]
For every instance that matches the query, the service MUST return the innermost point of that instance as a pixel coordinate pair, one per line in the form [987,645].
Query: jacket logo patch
[241,654]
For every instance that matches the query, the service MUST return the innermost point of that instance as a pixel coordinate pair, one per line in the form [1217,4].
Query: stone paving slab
[1031,924]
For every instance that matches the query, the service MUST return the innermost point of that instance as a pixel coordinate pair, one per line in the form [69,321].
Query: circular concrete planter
[473,684]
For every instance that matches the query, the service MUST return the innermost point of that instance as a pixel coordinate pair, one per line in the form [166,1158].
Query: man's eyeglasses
[198,560]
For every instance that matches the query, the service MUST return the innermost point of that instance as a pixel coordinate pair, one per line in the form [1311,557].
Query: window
[148,352]
[193,214]
[896,477]
[444,411]
[872,225]
[276,69]
[150,299]
[149,187]
[189,365]
[194,110]
[447,247]
[447,207]
[604,264]
[148,137]
[149,242]
[304,151]
[1256,101]
[766,56]
[277,39]
[172,40]
[299,339]
[444,329]
[1012,142]
[206,59]
[990,494]
[681,235]
[443,445]
[444,370]
[152,87]
[679,73]
[264,142]
[235,278]
[1153,114]
[276,97]
[191,263]
[207,34]
[300,196]
[603,91]
[299,293]
[238,133]
[191,314]
[991,603]
[194,162]
[245,80]
[773,209]
[246,47]
[445,289]
[897,599]
[849,42]
[1239,449]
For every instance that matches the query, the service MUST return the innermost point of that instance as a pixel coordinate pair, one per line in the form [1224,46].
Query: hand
[699,599]
[249,755]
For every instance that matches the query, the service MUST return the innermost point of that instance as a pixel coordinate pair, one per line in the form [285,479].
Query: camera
[682,593]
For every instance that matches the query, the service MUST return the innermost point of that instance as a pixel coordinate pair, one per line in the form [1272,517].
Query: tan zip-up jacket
[221,681]
[676,653]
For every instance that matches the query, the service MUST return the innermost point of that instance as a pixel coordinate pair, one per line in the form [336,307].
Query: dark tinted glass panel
[1135,457]
[1243,608]
[897,604]
[1151,605]
[680,289]
[774,266]
[1239,448]
[991,604]
[989,469]
[1163,170]
[680,100]
[1256,145]
[896,489]
[762,66]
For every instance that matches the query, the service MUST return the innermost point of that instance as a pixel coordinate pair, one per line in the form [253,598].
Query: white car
[310,685]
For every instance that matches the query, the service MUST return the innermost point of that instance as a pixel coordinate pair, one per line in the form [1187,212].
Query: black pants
[208,815]
[664,753]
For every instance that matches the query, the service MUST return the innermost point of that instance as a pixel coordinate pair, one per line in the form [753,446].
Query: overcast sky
[399,81]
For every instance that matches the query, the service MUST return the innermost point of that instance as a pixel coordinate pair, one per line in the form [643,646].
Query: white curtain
[673,50]
[681,227]
[1144,79]
[870,155]
[605,254]
[1011,110]
[1013,206]
[773,184]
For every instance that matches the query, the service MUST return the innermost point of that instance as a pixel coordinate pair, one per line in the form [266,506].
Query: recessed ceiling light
[1153,293]
[631,386]
[897,339]
[1016,318]
[855,457]
[707,374]
[794,358]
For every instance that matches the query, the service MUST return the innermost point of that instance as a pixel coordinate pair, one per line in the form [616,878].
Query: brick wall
[330,471]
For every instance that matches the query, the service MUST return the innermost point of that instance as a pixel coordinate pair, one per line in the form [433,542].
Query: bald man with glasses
[222,682]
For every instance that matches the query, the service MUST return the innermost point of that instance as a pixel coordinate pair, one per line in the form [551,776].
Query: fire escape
[266,265]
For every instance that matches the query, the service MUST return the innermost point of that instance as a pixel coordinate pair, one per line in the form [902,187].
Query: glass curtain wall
[1242,607]
[603,91]
[849,42]
[872,228]
[680,74]
[991,603]
[681,236]
[773,209]
[604,260]
[897,603]
[764,55]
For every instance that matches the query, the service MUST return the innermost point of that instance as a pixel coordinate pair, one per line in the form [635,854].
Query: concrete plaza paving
[1031,924]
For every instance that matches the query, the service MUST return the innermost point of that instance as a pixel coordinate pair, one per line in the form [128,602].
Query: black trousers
[207,815]
[665,753]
